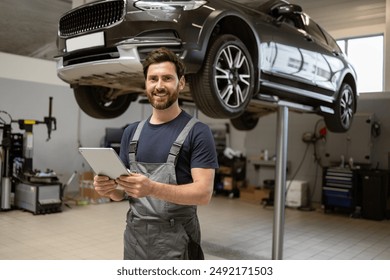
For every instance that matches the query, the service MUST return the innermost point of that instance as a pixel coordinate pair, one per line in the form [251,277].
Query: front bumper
[122,71]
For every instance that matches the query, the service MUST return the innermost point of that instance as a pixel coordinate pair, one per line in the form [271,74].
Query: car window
[291,19]
[332,42]
[313,29]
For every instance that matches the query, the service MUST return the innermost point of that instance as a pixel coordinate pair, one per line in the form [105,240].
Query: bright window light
[366,54]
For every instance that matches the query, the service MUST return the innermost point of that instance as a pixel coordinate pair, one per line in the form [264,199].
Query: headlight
[167,5]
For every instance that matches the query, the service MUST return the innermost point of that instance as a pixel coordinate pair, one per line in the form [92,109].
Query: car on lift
[235,54]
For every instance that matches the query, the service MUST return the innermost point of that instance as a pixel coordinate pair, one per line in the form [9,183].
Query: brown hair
[163,55]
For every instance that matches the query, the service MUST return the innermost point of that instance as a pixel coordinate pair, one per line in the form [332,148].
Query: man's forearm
[190,194]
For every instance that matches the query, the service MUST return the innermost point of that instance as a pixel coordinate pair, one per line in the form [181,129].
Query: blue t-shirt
[155,141]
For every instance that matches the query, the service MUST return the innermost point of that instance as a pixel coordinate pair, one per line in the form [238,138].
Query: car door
[294,51]
[329,64]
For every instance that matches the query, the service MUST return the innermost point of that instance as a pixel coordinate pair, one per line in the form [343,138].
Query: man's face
[162,85]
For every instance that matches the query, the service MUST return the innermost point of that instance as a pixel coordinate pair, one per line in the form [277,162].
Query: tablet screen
[104,161]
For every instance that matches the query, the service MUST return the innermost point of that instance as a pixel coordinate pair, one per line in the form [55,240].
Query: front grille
[92,17]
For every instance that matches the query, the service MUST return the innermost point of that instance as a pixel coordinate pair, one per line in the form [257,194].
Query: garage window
[366,54]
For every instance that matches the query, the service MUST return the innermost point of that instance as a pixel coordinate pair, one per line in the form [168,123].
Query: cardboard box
[254,195]
[225,170]
[87,176]
[87,191]
[228,183]
[297,193]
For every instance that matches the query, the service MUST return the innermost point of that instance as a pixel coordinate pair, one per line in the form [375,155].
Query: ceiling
[29,27]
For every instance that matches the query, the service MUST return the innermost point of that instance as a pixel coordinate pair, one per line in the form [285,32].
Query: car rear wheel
[344,110]
[95,102]
[246,121]
[225,85]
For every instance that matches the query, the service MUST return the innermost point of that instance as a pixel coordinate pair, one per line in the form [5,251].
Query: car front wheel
[344,110]
[95,102]
[225,84]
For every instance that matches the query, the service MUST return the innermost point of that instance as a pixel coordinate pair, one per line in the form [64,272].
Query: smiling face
[163,85]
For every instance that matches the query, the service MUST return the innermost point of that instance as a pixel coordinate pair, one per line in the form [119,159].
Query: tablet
[104,161]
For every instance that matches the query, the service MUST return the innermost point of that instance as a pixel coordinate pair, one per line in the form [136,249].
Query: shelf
[265,163]
[262,163]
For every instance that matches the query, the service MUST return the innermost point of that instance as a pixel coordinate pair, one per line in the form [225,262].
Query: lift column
[280,182]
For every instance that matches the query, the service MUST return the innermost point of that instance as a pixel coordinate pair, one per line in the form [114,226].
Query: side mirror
[288,9]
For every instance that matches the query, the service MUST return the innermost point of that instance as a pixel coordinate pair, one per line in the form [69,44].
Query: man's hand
[107,187]
[135,185]
[198,192]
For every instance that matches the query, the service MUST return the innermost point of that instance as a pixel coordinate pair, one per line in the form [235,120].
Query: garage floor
[231,229]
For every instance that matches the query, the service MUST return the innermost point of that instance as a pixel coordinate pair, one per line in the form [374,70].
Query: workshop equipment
[38,198]
[28,139]
[5,170]
[34,190]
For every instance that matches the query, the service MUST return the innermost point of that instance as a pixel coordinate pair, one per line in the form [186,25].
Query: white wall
[264,136]
[21,68]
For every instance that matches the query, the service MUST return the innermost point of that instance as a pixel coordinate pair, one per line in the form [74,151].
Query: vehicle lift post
[280,182]
[280,174]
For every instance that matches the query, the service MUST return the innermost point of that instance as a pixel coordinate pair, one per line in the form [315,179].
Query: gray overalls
[158,229]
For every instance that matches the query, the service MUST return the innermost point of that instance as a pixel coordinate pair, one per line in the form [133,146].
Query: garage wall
[264,137]
[301,155]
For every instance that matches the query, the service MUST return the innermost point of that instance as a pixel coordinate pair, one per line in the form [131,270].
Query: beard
[166,101]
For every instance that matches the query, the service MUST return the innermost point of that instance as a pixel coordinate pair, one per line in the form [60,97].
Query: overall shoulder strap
[176,146]
[134,141]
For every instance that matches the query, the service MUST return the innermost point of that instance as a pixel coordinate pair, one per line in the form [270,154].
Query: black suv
[236,54]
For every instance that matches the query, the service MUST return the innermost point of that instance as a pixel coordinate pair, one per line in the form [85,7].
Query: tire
[94,102]
[246,121]
[344,110]
[225,84]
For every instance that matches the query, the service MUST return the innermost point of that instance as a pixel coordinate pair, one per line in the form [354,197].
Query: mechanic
[172,159]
